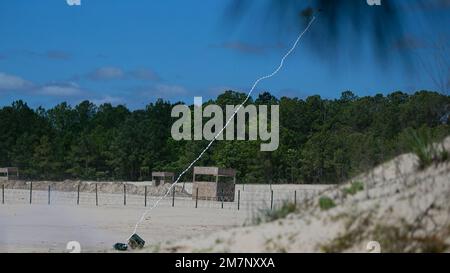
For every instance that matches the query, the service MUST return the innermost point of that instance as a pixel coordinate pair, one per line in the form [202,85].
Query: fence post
[196,199]
[31,191]
[271,199]
[145,196]
[295,198]
[124,194]
[173,197]
[49,194]
[96,195]
[239,198]
[3,194]
[78,194]
[223,197]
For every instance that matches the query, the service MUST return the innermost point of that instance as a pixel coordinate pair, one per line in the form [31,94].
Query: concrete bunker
[162,177]
[9,173]
[214,183]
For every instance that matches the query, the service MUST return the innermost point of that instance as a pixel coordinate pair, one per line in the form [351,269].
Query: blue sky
[133,52]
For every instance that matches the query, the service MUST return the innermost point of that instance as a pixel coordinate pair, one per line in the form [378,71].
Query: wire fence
[248,198]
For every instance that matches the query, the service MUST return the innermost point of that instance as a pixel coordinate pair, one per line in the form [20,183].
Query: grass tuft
[280,212]
[420,142]
[354,188]
[326,203]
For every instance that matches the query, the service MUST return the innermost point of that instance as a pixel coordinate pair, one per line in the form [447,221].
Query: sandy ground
[43,228]
[40,227]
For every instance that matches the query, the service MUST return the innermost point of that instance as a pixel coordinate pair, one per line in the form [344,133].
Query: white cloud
[12,83]
[164,91]
[144,74]
[108,99]
[60,90]
[115,73]
[16,83]
[218,90]
[106,73]
[167,89]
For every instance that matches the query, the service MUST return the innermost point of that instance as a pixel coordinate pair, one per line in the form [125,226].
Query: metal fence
[248,198]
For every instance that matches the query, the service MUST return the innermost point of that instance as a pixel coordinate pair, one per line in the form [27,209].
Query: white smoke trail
[226,124]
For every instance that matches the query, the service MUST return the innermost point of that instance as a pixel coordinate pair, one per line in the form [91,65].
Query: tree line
[321,140]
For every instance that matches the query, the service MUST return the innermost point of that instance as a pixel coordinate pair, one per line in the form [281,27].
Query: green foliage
[326,203]
[420,142]
[270,215]
[43,161]
[354,188]
[321,140]
[402,239]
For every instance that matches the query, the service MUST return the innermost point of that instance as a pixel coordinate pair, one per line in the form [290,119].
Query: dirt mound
[396,207]
[102,187]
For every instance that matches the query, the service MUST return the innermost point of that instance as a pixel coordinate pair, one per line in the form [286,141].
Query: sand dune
[401,208]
